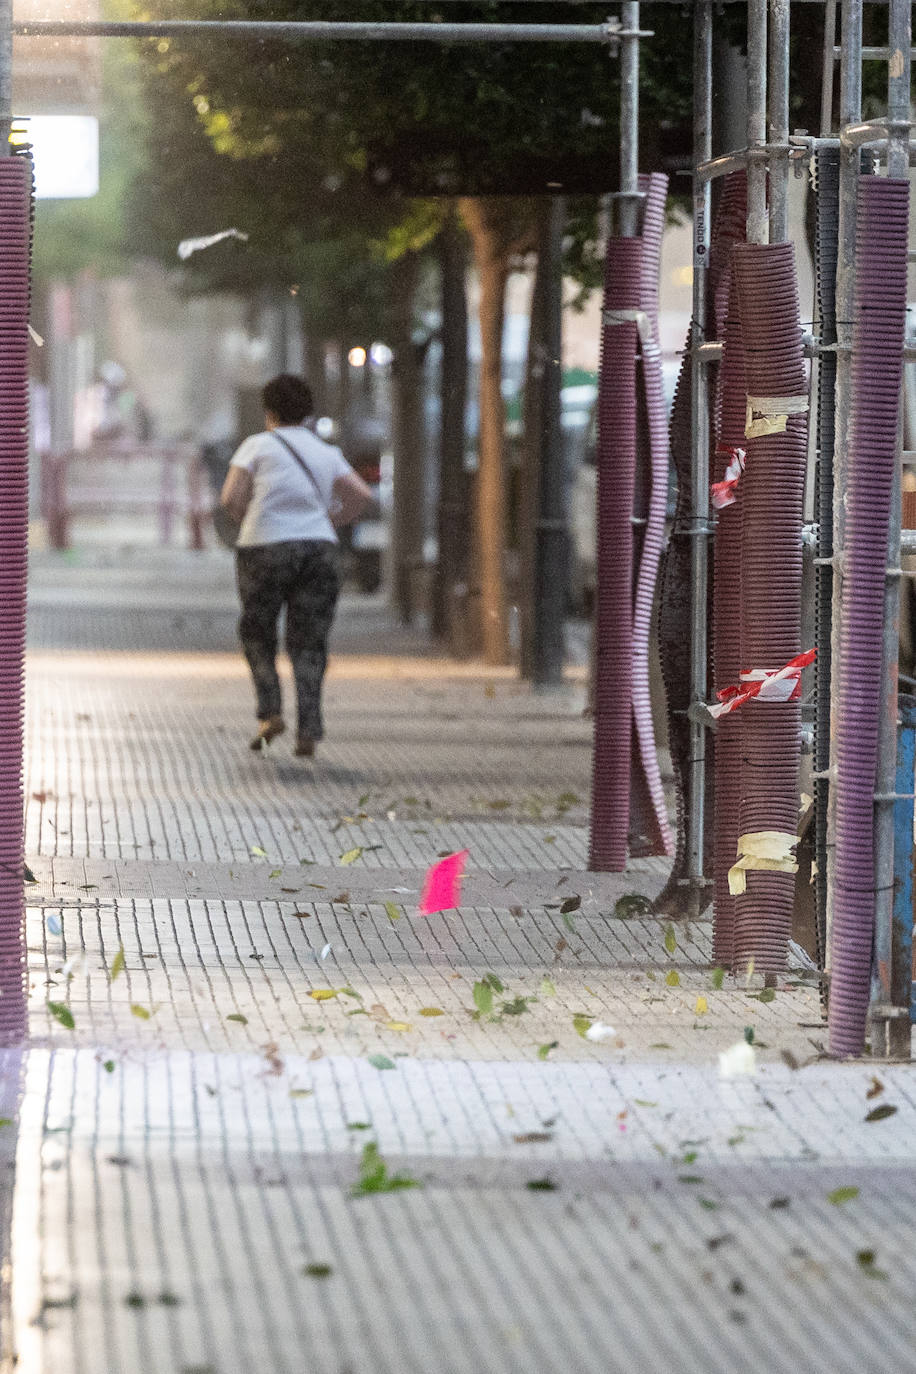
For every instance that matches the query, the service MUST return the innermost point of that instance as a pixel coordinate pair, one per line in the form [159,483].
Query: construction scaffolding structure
[856,356]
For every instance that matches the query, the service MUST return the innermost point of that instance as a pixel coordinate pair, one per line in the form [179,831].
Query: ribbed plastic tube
[827,187]
[771,505]
[726,632]
[727,600]
[15,251]
[879,314]
[674,600]
[612,752]
[659,839]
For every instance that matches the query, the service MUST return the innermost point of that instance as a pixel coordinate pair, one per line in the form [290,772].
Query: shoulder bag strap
[302,463]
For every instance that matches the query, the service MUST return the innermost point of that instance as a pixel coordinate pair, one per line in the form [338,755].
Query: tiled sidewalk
[186,1151]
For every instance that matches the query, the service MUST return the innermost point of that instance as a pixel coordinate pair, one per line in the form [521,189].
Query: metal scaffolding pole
[323,31]
[700,527]
[894,975]
[778,121]
[757,158]
[628,218]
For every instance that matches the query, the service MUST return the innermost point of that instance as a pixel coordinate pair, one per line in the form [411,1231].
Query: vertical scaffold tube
[15,232]
[659,839]
[771,503]
[879,315]
[611,758]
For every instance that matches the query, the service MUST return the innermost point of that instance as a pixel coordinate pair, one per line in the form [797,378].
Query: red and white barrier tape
[725,493]
[784,684]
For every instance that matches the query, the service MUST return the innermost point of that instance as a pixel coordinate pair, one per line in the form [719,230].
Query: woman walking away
[289,490]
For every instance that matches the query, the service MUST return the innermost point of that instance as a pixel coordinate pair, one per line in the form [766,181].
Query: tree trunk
[315,370]
[492,262]
[409,494]
[453,515]
[531,476]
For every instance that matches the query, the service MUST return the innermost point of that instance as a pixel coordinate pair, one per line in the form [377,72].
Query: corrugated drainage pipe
[15,250]
[827,173]
[771,504]
[879,314]
[674,597]
[659,839]
[611,756]
[730,405]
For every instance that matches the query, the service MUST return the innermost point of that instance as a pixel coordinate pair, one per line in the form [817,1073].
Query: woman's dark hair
[289,398]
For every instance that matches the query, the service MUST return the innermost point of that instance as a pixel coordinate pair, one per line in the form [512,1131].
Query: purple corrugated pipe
[674,607]
[611,757]
[659,839]
[879,314]
[730,406]
[15,241]
[771,505]
[726,631]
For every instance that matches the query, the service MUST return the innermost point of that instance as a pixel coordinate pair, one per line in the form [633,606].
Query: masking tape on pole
[769,414]
[637,317]
[769,851]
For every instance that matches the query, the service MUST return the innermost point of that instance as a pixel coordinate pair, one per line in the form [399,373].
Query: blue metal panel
[902,985]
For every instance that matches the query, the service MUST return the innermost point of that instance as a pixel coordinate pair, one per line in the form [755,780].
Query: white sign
[66,153]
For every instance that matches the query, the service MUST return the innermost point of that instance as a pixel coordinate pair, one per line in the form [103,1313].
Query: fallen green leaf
[359,1126]
[843,1194]
[881,1113]
[632,904]
[301,1092]
[764,995]
[117,964]
[109,1066]
[494,982]
[275,872]
[544,1050]
[237,1016]
[673,978]
[717,977]
[374,1176]
[258,851]
[381,1061]
[62,1013]
[483,997]
[548,988]
[866,1262]
[642,1102]
[581,1023]
[431,1011]
[569,923]
[515,1007]
[541,1185]
[670,939]
[393,913]
[351,855]
[749,1034]
[142,1013]
[317,1271]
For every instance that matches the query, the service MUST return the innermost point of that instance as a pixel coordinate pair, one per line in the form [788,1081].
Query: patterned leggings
[301,575]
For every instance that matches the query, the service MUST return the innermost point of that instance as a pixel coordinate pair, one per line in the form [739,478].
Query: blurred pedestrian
[289,490]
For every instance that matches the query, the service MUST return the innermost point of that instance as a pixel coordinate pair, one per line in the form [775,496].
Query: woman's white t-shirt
[284,503]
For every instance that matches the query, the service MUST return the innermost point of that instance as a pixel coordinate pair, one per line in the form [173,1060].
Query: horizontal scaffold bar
[320,31]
